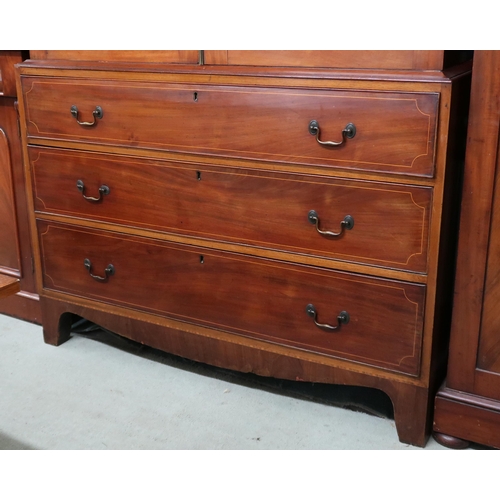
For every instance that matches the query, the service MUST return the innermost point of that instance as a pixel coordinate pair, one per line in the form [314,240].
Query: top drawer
[394,132]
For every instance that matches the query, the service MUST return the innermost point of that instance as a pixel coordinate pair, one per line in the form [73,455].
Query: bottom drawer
[378,322]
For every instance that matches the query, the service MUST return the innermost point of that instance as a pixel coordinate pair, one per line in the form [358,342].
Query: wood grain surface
[468,405]
[225,291]
[262,209]
[396,132]
[212,171]
[359,59]
[8,286]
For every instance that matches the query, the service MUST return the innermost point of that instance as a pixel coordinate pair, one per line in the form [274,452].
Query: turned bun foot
[450,441]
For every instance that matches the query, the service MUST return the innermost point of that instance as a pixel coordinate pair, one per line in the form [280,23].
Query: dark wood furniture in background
[184,205]
[467,407]
[16,261]
[8,286]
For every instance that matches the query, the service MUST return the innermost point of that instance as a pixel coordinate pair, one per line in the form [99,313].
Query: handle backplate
[97,113]
[348,132]
[342,319]
[109,271]
[347,223]
[103,190]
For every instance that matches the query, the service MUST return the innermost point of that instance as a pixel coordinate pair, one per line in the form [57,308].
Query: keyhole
[198,175]
[202,259]
[195,97]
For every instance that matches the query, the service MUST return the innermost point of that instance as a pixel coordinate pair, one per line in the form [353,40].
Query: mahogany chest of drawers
[288,221]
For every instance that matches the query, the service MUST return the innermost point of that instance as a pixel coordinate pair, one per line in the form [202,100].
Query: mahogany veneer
[395,132]
[16,262]
[220,229]
[8,286]
[467,407]
[261,208]
[362,59]
[222,290]
[136,56]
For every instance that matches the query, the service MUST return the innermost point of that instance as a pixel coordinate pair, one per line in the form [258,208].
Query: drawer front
[253,297]
[394,132]
[263,209]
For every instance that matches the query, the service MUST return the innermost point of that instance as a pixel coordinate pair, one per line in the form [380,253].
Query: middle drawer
[379,224]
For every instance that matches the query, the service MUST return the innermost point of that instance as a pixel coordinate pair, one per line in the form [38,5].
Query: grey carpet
[100,391]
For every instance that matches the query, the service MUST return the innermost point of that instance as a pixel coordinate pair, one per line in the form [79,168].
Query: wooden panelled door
[10,261]
[9,253]
[468,406]
[487,370]
[475,363]
[17,285]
